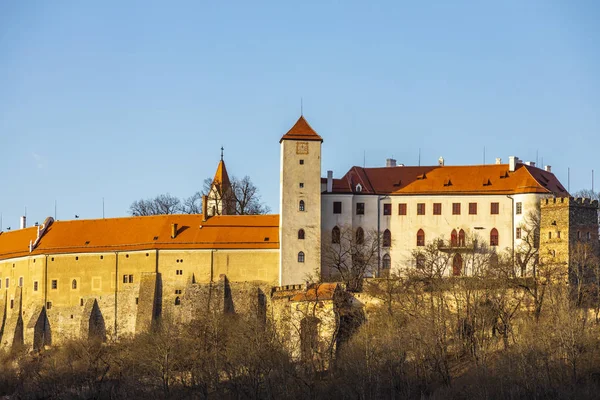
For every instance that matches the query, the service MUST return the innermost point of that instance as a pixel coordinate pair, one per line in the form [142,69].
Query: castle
[114,277]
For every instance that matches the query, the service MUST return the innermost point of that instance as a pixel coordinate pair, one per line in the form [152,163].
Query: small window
[178,291]
[74,284]
[125,279]
[301,234]
[472,208]
[177,301]
[335,235]
[495,208]
[494,237]
[453,238]
[301,184]
[519,208]
[518,233]
[130,278]
[387,238]
[35,286]
[420,261]
[420,208]
[360,208]
[578,234]
[12,303]
[455,208]
[549,235]
[360,236]
[54,284]
[461,238]
[7,282]
[301,257]
[359,188]
[402,209]
[437,208]
[558,235]
[386,262]
[387,209]
[337,207]
[81,301]
[48,305]
[420,238]
[301,162]
[301,206]
[20,281]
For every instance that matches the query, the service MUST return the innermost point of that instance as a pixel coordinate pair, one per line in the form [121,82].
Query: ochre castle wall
[121,293]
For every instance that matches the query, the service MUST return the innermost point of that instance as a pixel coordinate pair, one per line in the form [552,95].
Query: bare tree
[161,204]
[352,255]
[247,198]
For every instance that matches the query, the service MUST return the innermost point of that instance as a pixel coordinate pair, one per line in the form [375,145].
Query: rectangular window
[472,208]
[437,208]
[455,208]
[518,233]
[549,235]
[402,209]
[387,209]
[301,185]
[495,208]
[7,282]
[337,207]
[48,305]
[360,208]
[54,284]
[420,208]
[519,208]
[301,162]
[130,278]
[12,303]
[21,281]
[558,235]
[125,279]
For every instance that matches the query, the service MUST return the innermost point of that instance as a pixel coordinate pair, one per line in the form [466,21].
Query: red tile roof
[301,131]
[472,179]
[138,233]
[322,291]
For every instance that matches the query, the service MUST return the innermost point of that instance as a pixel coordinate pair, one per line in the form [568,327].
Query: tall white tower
[300,204]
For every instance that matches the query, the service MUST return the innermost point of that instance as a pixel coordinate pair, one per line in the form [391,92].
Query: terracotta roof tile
[323,291]
[139,233]
[301,131]
[471,179]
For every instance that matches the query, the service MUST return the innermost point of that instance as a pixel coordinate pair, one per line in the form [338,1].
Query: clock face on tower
[302,148]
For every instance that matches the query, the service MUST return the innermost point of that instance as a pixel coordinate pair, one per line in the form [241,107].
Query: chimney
[530,163]
[204,207]
[512,163]
[498,161]
[23,222]
[390,162]
[173,231]
[329,181]
[548,168]
[441,161]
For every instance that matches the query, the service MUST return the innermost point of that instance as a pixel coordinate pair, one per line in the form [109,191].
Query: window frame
[473,208]
[360,208]
[494,208]
[301,257]
[437,208]
[301,234]
[456,208]
[494,238]
[387,209]
[420,238]
[337,207]
[301,206]
[387,238]
[402,208]
[519,207]
[420,208]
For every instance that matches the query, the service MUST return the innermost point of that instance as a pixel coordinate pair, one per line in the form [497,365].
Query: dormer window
[359,188]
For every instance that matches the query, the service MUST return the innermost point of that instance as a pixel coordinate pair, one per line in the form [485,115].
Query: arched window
[74,284]
[335,235]
[420,261]
[461,238]
[420,238]
[301,234]
[457,264]
[301,207]
[386,262]
[387,238]
[494,237]
[301,257]
[177,301]
[453,238]
[360,236]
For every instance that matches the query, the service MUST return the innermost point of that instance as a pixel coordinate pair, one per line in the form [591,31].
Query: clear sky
[125,100]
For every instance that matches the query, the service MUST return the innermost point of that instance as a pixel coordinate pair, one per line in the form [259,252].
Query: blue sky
[126,100]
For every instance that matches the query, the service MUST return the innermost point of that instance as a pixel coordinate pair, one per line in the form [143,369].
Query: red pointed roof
[301,131]
[221,179]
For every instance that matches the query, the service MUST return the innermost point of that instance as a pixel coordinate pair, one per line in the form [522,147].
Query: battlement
[569,201]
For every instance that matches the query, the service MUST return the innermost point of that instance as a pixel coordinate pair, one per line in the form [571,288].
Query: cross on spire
[222,153]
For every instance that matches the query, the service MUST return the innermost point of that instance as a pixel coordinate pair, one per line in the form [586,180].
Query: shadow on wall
[42,334]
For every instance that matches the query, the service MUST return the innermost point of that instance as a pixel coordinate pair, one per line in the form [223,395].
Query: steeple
[220,198]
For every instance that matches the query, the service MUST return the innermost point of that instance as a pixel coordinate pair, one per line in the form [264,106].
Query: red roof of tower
[301,131]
